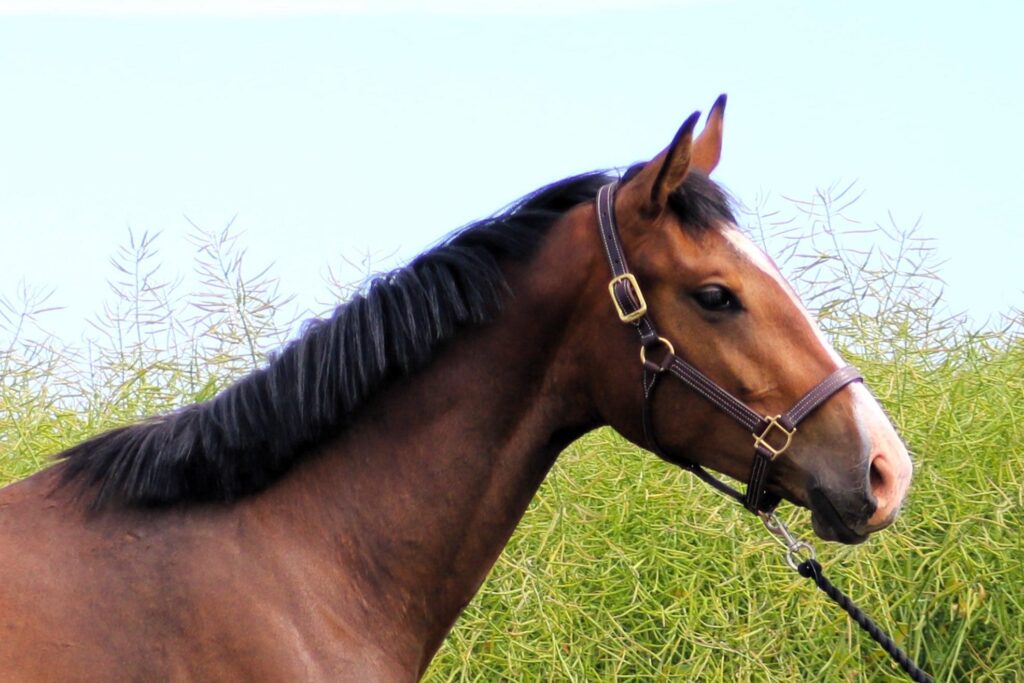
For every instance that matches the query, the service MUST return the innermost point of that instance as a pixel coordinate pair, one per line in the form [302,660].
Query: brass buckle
[640,311]
[761,440]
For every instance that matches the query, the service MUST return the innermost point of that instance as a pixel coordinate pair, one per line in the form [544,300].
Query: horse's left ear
[648,191]
[707,148]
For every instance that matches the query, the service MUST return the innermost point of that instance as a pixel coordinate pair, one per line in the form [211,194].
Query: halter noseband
[772,435]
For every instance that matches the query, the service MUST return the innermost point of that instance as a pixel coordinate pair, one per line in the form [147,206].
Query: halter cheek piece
[772,435]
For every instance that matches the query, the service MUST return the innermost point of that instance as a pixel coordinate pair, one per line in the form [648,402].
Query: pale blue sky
[337,132]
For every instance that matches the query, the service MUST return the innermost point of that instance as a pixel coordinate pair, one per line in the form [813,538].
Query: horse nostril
[882,487]
[875,477]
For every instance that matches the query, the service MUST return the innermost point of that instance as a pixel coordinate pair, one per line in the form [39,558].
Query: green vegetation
[625,568]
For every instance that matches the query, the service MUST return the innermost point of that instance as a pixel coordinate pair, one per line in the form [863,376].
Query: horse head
[722,306]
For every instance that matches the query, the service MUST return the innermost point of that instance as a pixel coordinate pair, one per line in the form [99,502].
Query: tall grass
[625,568]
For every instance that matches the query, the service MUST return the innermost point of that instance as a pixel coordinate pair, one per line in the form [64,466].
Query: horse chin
[828,524]
[835,530]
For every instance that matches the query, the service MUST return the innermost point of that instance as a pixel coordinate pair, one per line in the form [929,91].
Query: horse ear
[650,188]
[707,148]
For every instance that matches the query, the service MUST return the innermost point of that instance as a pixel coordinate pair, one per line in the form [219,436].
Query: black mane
[247,436]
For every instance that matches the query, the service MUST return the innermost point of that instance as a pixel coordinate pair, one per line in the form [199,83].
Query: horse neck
[422,493]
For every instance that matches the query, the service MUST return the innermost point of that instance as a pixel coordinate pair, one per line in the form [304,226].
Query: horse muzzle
[844,517]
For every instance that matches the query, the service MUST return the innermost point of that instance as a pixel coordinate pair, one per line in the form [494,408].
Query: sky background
[332,129]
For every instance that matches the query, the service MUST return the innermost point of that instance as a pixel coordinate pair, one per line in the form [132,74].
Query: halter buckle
[761,440]
[630,316]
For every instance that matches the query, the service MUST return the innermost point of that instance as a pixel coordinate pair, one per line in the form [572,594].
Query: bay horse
[328,516]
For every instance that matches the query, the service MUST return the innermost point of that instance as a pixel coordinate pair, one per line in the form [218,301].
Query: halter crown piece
[772,434]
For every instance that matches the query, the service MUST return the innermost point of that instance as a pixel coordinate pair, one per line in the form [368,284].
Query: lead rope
[809,568]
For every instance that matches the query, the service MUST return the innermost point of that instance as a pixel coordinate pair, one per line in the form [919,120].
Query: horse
[328,516]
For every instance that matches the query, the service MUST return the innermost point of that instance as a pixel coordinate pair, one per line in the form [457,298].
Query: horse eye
[716,298]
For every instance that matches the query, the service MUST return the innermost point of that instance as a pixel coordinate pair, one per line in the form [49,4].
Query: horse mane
[252,432]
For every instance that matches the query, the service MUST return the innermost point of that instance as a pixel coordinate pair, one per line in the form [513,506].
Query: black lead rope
[810,569]
[800,556]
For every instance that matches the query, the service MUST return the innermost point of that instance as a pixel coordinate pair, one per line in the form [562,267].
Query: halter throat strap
[772,434]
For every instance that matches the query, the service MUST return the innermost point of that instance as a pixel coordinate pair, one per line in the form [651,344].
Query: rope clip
[797,549]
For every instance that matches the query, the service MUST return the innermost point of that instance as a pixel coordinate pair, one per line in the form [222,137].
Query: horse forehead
[760,260]
[753,254]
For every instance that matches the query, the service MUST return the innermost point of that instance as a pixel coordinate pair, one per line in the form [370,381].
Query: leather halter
[772,435]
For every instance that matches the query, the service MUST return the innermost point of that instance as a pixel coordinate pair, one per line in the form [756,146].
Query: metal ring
[661,340]
[799,552]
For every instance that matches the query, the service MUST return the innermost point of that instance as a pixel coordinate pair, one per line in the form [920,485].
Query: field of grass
[624,568]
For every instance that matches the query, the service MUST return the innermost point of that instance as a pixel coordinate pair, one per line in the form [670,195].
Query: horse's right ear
[647,192]
[707,148]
